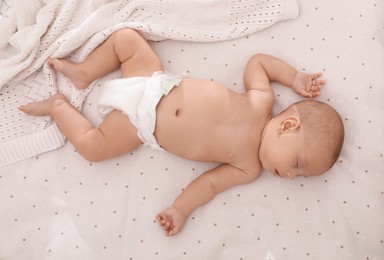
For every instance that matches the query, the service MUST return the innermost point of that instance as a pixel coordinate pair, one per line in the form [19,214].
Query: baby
[199,120]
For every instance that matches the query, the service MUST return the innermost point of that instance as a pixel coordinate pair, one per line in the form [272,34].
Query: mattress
[57,205]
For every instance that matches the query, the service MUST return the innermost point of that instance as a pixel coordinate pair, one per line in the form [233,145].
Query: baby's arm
[262,69]
[200,191]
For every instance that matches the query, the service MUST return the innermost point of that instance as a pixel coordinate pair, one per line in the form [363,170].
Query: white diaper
[137,97]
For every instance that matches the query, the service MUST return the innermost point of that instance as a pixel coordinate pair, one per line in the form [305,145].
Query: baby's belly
[188,121]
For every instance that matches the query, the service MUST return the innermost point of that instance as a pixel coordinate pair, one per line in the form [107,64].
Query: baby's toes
[25,108]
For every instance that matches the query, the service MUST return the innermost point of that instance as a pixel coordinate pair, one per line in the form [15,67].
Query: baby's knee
[89,153]
[91,146]
[127,36]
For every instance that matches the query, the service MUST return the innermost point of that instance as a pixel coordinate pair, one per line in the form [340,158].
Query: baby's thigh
[120,135]
[142,64]
[135,54]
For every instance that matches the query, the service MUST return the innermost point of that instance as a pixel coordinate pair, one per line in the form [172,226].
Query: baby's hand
[171,220]
[306,85]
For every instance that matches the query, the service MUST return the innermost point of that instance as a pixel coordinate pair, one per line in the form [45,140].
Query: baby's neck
[265,129]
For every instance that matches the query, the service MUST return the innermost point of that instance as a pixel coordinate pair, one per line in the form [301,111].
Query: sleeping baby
[196,119]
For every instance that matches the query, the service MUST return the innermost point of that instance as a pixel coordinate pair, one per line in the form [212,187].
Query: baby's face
[291,154]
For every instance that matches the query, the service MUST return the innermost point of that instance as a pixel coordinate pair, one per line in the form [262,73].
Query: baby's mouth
[277,173]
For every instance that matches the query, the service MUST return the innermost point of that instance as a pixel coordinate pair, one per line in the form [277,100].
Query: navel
[177,112]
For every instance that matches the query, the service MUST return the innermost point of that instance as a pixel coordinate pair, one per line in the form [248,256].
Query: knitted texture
[34,30]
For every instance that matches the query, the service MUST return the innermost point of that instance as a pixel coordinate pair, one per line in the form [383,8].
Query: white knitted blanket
[33,30]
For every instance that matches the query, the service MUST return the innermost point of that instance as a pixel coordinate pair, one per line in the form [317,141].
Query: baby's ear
[291,123]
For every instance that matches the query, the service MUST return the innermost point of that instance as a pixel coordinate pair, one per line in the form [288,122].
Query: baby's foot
[71,71]
[45,107]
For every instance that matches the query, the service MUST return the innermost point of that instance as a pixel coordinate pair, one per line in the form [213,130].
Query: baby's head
[305,139]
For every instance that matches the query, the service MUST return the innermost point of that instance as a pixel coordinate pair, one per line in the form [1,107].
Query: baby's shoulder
[260,101]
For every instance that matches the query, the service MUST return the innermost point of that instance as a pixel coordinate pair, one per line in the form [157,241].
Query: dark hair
[322,121]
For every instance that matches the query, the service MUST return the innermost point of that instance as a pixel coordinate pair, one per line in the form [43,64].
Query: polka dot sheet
[59,206]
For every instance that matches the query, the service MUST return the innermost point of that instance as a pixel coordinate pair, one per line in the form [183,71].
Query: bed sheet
[59,206]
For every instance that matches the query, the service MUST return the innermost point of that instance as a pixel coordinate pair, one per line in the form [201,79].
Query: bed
[56,205]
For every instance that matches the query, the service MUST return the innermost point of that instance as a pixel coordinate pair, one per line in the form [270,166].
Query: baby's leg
[115,136]
[125,48]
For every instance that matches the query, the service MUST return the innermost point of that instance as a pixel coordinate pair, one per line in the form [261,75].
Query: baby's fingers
[162,220]
[305,93]
[173,231]
[316,87]
[166,225]
[315,75]
[159,218]
[318,82]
